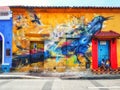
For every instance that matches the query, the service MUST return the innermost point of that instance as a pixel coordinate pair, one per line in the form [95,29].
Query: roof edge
[99,7]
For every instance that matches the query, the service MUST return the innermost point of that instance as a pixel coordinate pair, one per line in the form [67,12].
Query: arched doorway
[1,48]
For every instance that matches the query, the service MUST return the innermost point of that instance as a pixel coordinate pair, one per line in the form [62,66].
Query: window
[3,13]
[8,52]
[102,42]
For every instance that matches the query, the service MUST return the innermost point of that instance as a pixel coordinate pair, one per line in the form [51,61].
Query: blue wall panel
[6,30]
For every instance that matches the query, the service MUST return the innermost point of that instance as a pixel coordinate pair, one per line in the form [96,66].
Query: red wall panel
[113,54]
[94,54]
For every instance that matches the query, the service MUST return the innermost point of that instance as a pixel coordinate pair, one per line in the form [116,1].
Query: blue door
[103,51]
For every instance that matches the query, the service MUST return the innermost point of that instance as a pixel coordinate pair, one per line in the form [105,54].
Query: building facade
[61,39]
[5,36]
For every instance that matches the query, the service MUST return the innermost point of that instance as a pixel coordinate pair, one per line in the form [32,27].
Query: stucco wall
[58,20]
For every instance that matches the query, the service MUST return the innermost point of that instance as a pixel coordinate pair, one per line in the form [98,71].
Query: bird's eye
[85,39]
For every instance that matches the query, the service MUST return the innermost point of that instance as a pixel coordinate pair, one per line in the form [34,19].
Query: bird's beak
[108,18]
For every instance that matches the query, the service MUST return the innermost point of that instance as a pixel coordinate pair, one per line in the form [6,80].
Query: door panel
[103,51]
[0,51]
[36,51]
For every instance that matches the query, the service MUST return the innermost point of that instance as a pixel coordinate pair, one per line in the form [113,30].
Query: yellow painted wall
[51,17]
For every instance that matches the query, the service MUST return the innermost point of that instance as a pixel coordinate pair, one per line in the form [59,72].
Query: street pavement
[59,84]
[85,80]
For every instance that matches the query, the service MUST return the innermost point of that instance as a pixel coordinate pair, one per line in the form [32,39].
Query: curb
[91,77]
[18,77]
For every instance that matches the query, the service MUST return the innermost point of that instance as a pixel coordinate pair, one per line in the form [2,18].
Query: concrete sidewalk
[77,75]
[63,75]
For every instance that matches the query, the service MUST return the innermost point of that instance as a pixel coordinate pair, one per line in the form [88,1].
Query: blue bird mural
[80,42]
[96,24]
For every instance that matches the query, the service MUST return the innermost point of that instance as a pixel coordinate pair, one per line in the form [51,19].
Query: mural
[73,43]
[67,46]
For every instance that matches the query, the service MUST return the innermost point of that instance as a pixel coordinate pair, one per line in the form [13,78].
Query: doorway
[103,51]
[0,50]
[36,51]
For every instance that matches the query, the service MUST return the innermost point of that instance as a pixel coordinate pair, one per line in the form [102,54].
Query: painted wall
[61,24]
[6,38]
